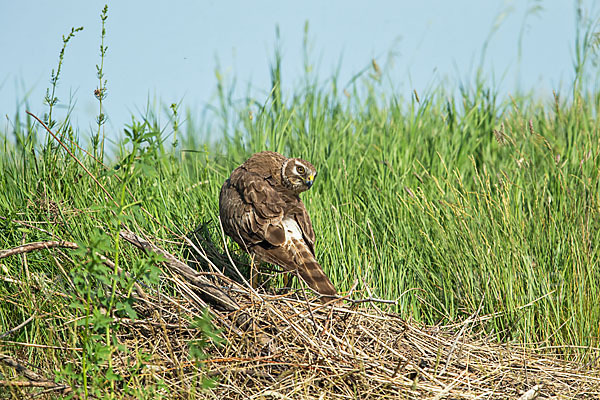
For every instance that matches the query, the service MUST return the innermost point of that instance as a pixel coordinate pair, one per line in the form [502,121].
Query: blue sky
[168,50]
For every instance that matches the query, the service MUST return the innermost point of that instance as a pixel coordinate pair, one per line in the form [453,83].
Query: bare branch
[200,281]
[16,328]
[26,248]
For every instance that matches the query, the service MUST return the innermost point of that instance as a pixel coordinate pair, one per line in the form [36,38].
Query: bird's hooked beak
[309,181]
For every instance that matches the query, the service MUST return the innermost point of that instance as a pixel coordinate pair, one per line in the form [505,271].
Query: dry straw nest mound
[291,346]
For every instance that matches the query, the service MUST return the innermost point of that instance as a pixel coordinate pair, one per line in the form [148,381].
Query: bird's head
[297,174]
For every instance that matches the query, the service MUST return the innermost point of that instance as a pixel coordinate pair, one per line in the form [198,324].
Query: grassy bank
[455,205]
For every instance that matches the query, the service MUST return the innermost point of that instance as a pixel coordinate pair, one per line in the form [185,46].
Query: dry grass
[293,347]
[289,346]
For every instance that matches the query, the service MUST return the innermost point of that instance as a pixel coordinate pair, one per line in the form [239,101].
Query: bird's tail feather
[296,256]
[311,272]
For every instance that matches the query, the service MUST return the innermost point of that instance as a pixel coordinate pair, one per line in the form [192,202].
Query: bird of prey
[260,209]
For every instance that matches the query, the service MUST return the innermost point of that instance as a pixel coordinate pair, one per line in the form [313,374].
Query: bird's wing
[303,220]
[251,210]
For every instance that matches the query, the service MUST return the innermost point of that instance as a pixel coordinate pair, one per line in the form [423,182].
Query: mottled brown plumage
[260,209]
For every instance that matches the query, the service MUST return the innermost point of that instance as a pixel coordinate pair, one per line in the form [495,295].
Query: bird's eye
[300,169]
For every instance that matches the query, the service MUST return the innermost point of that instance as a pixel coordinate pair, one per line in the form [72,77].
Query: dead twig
[44,384]
[20,368]
[200,281]
[16,328]
[29,247]
[34,379]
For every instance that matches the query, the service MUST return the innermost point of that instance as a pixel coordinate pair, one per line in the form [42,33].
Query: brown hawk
[260,209]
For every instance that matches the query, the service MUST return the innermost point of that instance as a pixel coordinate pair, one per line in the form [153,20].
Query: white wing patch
[292,230]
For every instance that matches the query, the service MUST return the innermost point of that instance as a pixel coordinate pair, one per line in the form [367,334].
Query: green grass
[453,205]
